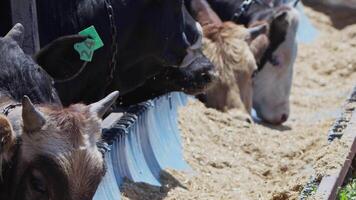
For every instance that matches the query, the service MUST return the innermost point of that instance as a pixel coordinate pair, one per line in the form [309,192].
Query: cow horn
[102,106]
[16,33]
[33,119]
[257,30]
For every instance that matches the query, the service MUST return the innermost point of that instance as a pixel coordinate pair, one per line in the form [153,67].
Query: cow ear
[59,58]
[32,119]
[101,107]
[16,33]
[259,46]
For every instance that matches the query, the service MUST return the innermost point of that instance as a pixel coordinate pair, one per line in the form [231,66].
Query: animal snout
[204,71]
[278,120]
[197,76]
[284,118]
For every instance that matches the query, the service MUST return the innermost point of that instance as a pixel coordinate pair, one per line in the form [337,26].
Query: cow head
[227,45]
[231,52]
[16,65]
[273,82]
[196,72]
[50,152]
[58,157]
[173,40]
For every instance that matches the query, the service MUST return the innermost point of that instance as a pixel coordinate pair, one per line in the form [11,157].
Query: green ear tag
[86,49]
[94,35]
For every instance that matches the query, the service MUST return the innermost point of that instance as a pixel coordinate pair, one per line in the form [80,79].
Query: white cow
[272,85]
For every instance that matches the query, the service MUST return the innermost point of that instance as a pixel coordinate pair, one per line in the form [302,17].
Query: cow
[227,45]
[150,39]
[272,83]
[46,151]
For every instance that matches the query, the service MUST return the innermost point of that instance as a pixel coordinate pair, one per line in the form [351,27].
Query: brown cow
[233,49]
[47,152]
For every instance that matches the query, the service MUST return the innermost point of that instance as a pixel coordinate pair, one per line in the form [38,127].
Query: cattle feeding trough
[327,187]
[344,127]
[143,141]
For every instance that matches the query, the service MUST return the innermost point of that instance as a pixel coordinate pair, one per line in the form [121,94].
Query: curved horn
[16,33]
[33,119]
[102,106]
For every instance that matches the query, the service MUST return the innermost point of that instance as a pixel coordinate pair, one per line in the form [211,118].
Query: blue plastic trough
[143,142]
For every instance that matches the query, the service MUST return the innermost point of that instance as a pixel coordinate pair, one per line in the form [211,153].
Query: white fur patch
[272,84]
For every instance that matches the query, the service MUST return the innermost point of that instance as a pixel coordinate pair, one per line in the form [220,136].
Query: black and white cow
[154,39]
[272,84]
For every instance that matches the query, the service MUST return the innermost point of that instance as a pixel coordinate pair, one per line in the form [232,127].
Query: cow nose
[209,76]
[206,77]
[284,118]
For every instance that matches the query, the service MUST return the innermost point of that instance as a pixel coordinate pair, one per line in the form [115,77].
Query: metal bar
[25,12]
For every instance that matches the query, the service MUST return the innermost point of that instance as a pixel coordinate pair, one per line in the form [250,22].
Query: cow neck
[13,111]
[114,49]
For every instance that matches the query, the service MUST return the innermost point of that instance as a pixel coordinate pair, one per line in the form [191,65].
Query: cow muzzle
[196,73]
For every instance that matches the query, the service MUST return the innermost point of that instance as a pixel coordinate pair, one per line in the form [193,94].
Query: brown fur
[7,142]
[69,138]
[235,62]
[227,46]
[70,121]
[7,137]
[65,139]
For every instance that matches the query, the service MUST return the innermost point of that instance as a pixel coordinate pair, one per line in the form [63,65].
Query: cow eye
[38,182]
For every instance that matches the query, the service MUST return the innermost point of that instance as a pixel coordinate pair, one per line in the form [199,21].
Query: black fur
[20,75]
[150,40]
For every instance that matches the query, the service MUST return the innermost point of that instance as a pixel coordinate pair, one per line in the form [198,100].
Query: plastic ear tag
[91,32]
[86,49]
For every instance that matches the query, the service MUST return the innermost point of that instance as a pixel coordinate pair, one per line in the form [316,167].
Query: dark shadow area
[275,127]
[5,17]
[143,191]
[340,16]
